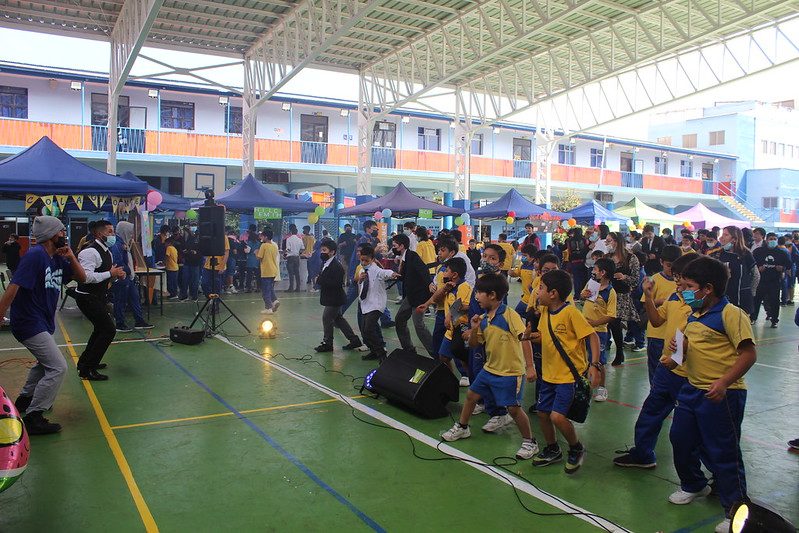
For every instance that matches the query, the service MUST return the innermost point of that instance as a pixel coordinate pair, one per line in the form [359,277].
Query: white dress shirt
[327,263]
[376,296]
[600,246]
[471,277]
[414,240]
[90,260]
[293,246]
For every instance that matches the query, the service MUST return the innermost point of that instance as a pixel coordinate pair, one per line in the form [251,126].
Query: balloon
[319,211]
[564,224]
[15,446]
[191,214]
[154,199]
[339,206]
[692,227]
[458,221]
[466,218]
[386,213]
[509,220]
[512,214]
[597,222]
[313,218]
[572,222]
[686,223]
[630,223]
[378,215]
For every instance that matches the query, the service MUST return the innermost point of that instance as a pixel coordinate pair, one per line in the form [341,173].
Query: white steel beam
[309,30]
[366,122]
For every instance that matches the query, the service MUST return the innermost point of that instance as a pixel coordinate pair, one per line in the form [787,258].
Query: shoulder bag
[578,410]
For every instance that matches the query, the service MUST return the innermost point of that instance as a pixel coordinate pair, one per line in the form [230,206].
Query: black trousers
[96,311]
[768,295]
[332,317]
[372,336]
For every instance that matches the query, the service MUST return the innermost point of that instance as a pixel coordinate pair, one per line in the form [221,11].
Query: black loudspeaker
[421,384]
[211,230]
[184,335]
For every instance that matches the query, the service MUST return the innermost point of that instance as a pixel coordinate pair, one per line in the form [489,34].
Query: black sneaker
[533,409]
[371,356]
[124,328]
[22,403]
[36,424]
[547,456]
[322,348]
[629,460]
[353,345]
[794,444]
[618,361]
[143,325]
[575,459]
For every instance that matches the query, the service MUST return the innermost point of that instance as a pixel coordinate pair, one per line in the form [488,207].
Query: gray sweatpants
[44,379]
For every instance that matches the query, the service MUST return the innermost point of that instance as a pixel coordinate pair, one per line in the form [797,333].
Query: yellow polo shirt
[572,328]
[220,259]
[462,292]
[604,306]
[526,272]
[675,312]
[507,264]
[500,335]
[267,254]
[662,290]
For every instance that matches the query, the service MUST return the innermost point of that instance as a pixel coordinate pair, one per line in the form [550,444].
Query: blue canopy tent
[250,193]
[402,202]
[513,201]
[588,213]
[45,169]
[169,202]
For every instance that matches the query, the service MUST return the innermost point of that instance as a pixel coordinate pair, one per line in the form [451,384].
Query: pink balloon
[154,199]
[378,215]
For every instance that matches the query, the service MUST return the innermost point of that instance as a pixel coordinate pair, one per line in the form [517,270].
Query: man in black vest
[92,299]
[415,276]
[652,246]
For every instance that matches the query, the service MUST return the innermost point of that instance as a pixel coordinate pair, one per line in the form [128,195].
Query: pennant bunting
[115,204]
[102,200]
[78,199]
[61,200]
[30,199]
[93,199]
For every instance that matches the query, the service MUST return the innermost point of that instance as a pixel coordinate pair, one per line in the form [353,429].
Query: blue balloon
[466,218]
[387,213]
[340,206]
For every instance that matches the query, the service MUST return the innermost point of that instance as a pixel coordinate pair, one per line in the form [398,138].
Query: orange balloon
[572,222]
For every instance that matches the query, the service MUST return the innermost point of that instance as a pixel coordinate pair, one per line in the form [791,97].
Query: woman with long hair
[741,264]
[624,281]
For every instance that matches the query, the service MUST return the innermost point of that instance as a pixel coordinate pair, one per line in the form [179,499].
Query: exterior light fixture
[76,85]
[152,93]
[224,100]
[286,106]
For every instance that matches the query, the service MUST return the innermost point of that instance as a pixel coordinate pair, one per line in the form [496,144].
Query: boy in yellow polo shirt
[526,273]
[719,349]
[663,287]
[599,311]
[558,386]
[508,362]
[267,255]
[171,267]
[670,316]
[507,264]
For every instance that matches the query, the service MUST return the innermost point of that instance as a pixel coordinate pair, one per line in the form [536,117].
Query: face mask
[772,244]
[727,247]
[396,251]
[690,298]
[611,248]
[487,267]
[111,240]
[595,277]
[590,263]
[446,279]
[60,242]
[594,237]
[374,233]
[324,257]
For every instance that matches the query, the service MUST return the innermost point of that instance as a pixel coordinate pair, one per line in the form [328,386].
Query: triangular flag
[93,199]
[114,204]
[102,200]
[30,199]
[48,201]
[78,199]
[61,200]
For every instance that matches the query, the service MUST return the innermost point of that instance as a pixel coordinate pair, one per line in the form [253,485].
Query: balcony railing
[313,152]
[132,140]
[522,168]
[383,157]
[632,179]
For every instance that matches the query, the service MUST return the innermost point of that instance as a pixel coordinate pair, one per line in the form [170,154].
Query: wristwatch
[598,366]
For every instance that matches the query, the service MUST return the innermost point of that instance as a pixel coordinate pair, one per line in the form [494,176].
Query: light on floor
[757,517]
[267,330]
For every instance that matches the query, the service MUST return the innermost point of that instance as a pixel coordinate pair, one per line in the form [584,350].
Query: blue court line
[285,453]
[702,523]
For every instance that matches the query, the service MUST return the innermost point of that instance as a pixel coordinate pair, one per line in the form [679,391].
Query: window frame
[177,104]
[423,137]
[691,138]
[567,154]
[686,164]
[597,158]
[12,92]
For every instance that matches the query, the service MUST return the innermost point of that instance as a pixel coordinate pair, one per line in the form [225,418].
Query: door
[522,158]
[638,166]
[384,144]
[7,227]
[626,162]
[313,138]
[77,230]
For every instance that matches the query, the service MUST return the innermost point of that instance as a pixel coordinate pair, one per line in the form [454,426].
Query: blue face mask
[772,244]
[594,237]
[690,298]
[111,240]
[727,247]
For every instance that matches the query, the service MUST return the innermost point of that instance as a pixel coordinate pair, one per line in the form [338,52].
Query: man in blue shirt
[33,296]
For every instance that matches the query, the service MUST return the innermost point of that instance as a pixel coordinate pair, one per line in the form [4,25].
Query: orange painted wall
[666,183]
[26,133]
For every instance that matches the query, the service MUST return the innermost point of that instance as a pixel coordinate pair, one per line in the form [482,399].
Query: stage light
[367,381]
[757,517]
[267,330]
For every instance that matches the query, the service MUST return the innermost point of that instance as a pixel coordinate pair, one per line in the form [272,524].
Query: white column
[363,183]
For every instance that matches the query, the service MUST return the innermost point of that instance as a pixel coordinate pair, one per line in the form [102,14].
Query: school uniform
[526,273]
[663,287]
[462,292]
[701,424]
[171,267]
[501,381]
[507,264]
[267,255]
[92,299]
[415,277]
[371,302]
[602,307]
[571,327]
[332,297]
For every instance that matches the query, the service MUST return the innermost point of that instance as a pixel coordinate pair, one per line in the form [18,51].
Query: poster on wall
[146,232]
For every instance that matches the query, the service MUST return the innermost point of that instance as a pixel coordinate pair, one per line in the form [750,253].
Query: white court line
[794,370]
[471,461]
[149,339]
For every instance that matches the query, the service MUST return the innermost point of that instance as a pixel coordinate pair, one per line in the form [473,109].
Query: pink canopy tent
[703,217]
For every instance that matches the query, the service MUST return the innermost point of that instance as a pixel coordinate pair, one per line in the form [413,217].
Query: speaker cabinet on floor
[421,384]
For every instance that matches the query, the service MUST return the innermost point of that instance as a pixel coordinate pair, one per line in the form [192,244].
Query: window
[707,171]
[626,161]
[100,110]
[177,115]
[796,204]
[686,168]
[661,165]
[769,202]
[430,139]
[665,140]
[385,135]
[597,158]
[13,102]
[764,146]
[716,138]
[787,205]
[772,148]
[566,154]
[522,150]
[689,141]
[477,144]
[781,149]
[233,119]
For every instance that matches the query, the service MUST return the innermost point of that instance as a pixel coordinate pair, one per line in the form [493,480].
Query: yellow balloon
[509,220]
[313,218]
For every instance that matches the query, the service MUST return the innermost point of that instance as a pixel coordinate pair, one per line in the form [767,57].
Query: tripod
[214,299]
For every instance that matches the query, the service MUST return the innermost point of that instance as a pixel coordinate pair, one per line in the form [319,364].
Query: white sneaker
[478,409]
[496,423]
[682,497]
[267,311]
[528,450]
[398,300]
[275,305]
[724,526]
[464,382]
[362,348]
[601,394]
[640,348]
[456,432]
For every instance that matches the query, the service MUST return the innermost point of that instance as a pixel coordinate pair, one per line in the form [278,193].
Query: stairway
[741,209]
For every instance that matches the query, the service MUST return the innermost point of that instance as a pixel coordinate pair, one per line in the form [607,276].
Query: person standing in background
[252,281]
[124,291]
[11,250]
[308,242]
[346,246]
[268,256]
[292,251]
[190,282]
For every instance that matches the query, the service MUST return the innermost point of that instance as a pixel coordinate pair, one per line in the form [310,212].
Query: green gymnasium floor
[214,436]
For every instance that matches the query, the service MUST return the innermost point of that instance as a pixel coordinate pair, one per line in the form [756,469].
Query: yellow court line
[228,413]
[144,511]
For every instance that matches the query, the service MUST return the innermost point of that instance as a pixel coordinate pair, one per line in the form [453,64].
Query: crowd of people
[688,303]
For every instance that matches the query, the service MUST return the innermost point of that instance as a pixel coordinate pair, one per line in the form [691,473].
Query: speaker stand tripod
[207,313]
